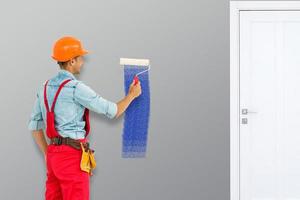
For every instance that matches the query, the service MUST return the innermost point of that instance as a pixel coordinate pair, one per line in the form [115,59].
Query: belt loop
[59,142]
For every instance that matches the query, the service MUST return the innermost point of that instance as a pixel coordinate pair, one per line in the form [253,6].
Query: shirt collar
[66,73]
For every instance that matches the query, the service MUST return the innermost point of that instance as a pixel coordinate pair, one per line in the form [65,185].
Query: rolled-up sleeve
[36,121]
[88,98]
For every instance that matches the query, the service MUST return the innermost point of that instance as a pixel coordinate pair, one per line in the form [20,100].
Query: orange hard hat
[67,48]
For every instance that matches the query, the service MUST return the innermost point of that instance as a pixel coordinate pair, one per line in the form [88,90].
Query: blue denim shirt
[74,97]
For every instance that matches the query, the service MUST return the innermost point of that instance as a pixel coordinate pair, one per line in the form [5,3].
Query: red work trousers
[65,179]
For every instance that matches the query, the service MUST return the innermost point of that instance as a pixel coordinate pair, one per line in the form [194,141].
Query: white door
[270,105]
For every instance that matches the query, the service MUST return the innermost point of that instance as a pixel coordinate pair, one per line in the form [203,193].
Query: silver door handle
[245,111]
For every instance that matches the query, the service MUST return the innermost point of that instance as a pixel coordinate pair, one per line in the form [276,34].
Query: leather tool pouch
[88,162]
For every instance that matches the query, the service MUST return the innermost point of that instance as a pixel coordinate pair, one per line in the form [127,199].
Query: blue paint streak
[136,119]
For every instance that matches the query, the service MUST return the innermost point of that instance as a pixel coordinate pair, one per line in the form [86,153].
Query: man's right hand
[135,90]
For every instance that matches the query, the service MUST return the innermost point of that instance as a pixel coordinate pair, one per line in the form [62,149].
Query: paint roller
[135,62]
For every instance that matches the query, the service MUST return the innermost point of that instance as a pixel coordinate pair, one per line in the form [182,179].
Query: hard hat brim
[84,52]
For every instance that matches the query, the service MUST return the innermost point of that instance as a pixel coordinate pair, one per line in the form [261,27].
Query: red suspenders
[50,128]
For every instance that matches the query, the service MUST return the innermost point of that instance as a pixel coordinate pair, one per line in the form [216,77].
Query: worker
[61,109]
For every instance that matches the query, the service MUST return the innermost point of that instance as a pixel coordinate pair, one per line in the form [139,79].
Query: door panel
[269,87]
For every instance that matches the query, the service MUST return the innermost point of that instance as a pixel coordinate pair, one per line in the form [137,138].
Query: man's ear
[72,61]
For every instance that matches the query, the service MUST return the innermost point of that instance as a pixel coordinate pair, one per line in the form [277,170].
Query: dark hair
[63,64]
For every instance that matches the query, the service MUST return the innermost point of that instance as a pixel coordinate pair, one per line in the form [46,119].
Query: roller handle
[136,79]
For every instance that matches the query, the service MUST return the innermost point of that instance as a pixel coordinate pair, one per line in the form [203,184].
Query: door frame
[235,8]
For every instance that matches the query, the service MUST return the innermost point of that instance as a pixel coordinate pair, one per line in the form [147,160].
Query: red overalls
[65,179]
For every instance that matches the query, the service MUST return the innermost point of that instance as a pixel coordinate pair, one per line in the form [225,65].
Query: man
[67,101]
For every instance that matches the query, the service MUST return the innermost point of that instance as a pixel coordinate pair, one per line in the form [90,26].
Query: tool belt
[70,142]
[88,162]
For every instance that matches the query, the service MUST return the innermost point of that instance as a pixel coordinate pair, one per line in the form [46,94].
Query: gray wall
[188,45]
